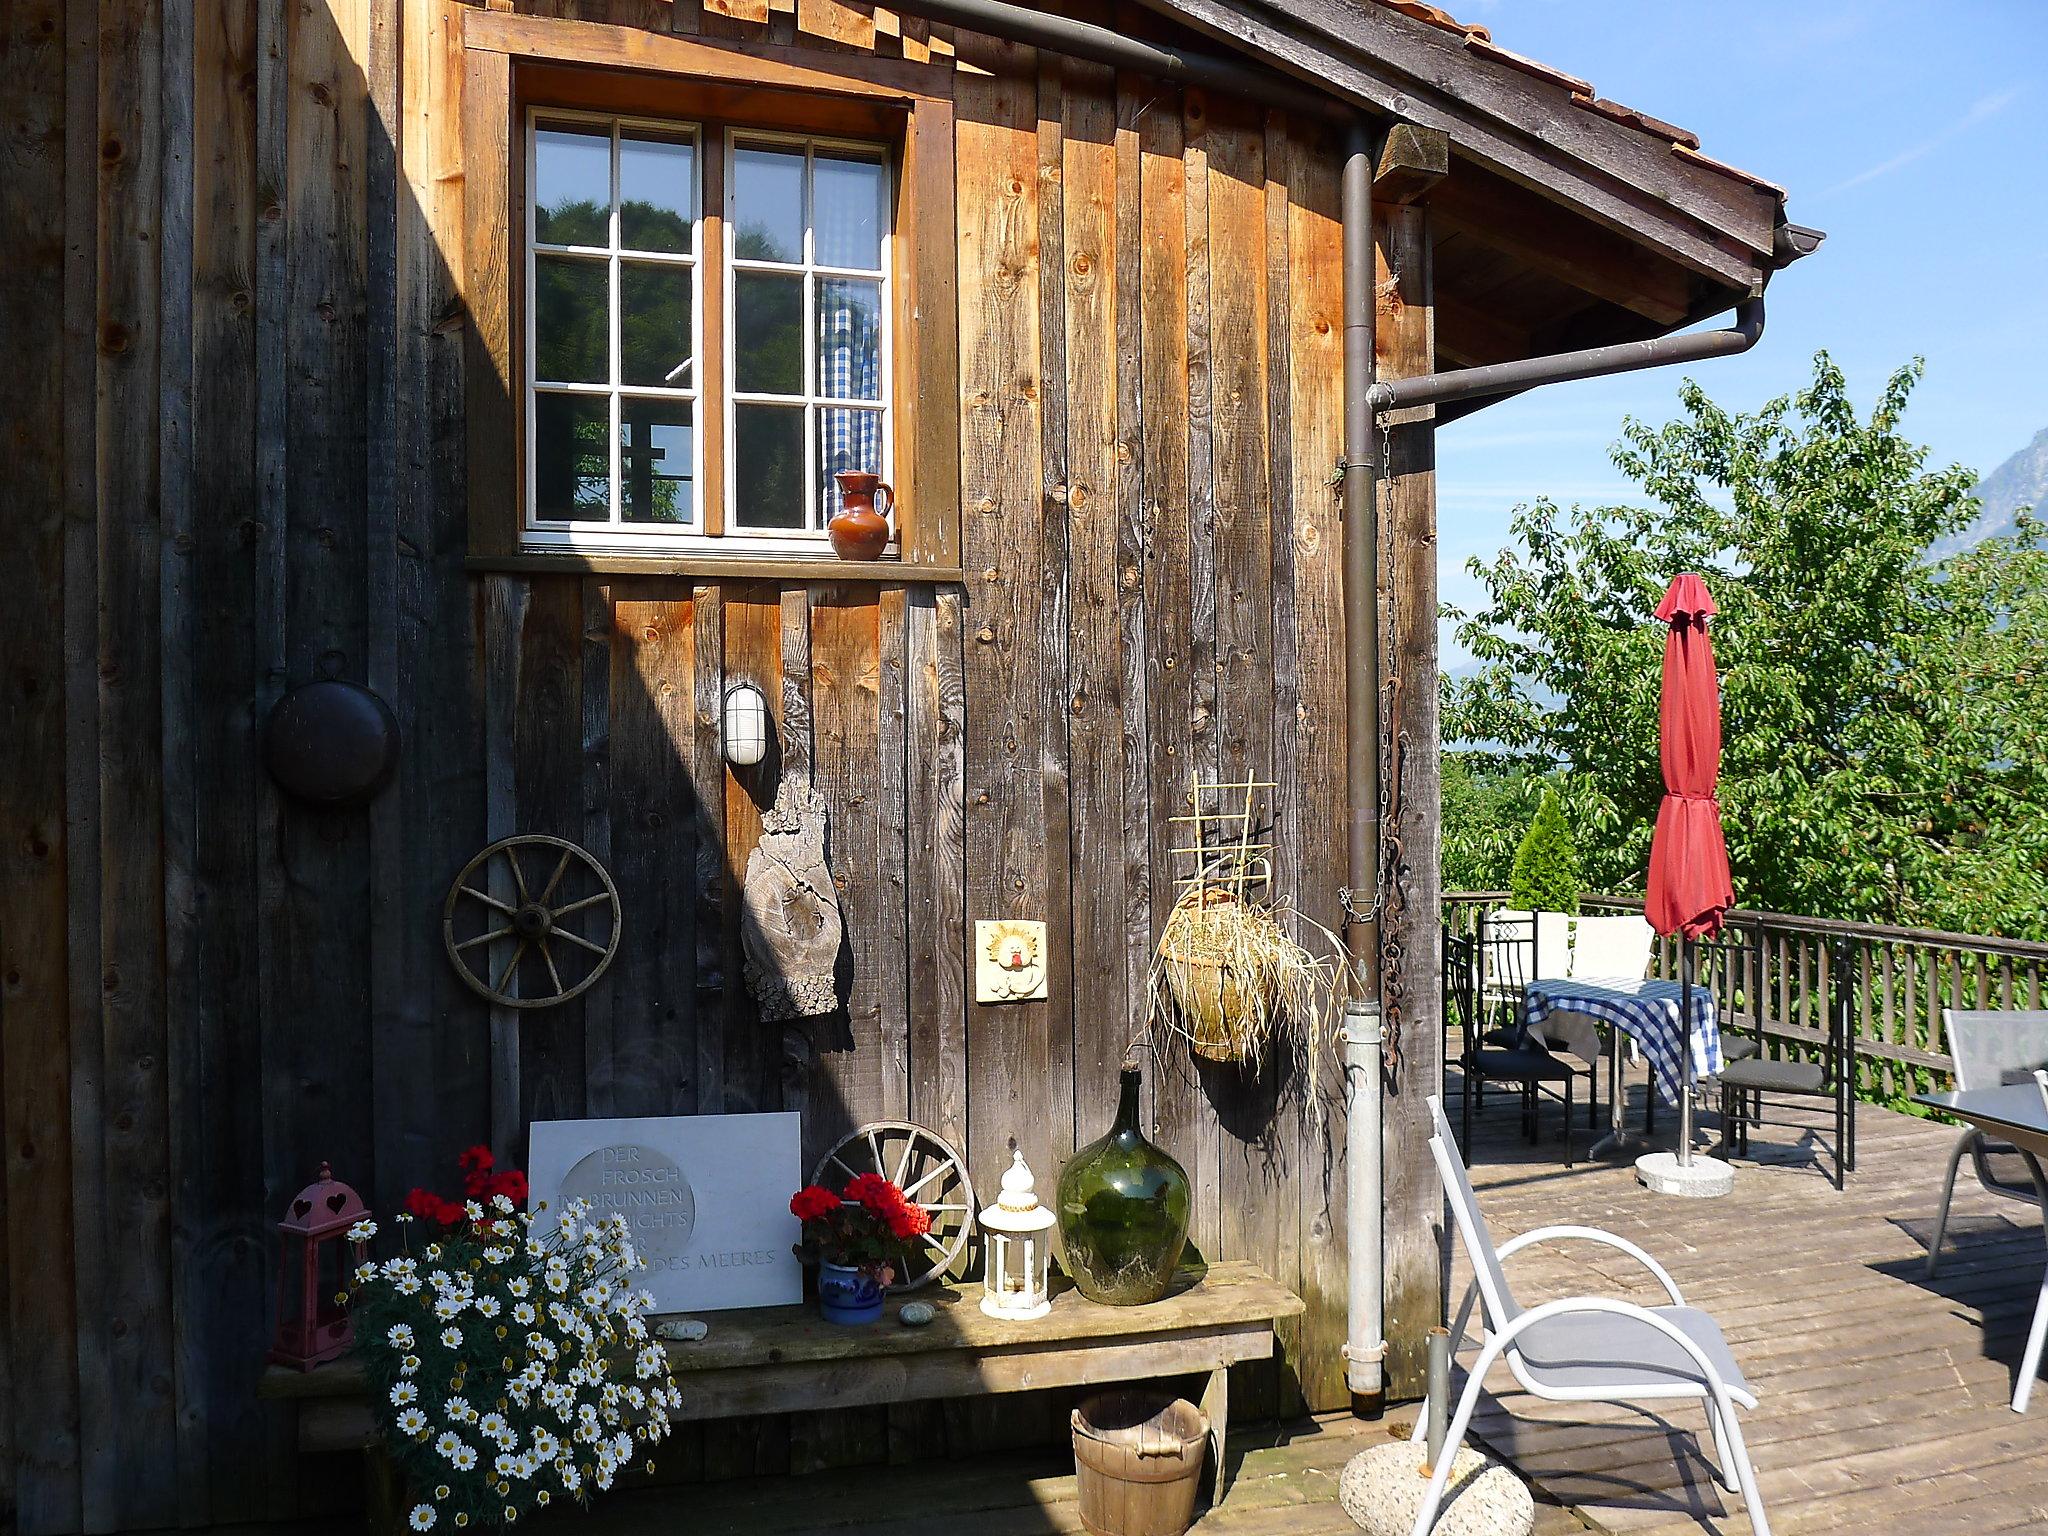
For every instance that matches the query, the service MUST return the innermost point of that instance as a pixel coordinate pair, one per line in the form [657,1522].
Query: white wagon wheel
[531,897]
[934,1178]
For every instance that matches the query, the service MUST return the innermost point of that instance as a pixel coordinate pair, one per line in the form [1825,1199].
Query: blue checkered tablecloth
[1646,1010]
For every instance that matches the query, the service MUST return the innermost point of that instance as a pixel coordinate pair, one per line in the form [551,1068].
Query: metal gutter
[1164,61]
[1565,367]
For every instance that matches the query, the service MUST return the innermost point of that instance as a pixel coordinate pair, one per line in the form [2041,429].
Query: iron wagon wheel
[931,1175]
[570,917]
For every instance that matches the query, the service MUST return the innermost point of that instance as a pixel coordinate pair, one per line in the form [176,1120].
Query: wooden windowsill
[814,569]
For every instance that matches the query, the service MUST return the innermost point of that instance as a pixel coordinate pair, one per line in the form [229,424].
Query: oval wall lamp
[746,725]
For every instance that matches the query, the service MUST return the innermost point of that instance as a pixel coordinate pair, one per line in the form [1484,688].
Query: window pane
[768,465]
[655,342]
[572,326]
[657,193]
[768,333]
[849,215]
[657,461]
[571,467]
[849,338]
[768,204]
[572,194]
[847,439]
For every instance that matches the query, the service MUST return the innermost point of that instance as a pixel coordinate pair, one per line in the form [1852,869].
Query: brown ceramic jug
[860,529]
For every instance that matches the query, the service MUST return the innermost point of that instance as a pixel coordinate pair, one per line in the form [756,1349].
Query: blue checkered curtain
[849,368]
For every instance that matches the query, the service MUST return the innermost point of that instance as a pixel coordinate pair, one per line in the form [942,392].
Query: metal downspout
[1365,1342]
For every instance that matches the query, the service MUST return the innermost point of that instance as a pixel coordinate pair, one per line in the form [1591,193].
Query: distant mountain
[2021,481]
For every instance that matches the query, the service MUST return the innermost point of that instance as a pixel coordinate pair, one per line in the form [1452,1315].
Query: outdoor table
[2019,1115]
[1644,1009]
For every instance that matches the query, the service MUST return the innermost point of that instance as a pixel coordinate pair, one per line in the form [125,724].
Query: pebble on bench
[915,1314]
[684,1330]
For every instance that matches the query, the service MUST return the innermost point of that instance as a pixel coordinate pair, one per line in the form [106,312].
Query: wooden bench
[783,1359]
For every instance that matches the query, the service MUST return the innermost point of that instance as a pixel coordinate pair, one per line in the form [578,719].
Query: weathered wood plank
[1168,695]
[1094,703]
[1054,581]
[1258,1156]
[1313,532]
[40,1437]
[548,767]
[132,1201]
[654,854]
[1009,1064]
[847,22]
[594,817]
[1409,951]
[930,297]
[716,888]
[934,862]
[891,899]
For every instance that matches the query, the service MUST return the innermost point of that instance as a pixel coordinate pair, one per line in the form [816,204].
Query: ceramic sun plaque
[707,1197]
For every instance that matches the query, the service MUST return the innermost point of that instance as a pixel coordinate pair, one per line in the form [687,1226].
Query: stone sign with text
[707,1197]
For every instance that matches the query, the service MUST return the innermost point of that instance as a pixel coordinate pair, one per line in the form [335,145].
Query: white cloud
[1984,107]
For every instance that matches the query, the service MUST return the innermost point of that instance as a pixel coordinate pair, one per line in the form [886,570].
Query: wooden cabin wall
[236,461]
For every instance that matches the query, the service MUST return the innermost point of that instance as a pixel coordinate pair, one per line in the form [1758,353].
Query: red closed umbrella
[1689,886]
[1689,890]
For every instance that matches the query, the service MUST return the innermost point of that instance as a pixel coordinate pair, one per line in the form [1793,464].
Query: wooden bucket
[1138,1462]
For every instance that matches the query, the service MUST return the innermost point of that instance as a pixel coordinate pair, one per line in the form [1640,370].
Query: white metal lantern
[1017,1248]
[745,727]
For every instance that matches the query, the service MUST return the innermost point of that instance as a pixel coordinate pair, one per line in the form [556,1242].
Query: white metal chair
[1989,1045]
[1585,1348]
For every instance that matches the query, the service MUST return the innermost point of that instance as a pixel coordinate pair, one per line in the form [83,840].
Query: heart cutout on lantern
[336,1201]
[300,1207]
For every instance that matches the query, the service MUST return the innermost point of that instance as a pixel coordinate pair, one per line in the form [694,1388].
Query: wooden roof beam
[1469,337]
[1412,161]
[1534,230]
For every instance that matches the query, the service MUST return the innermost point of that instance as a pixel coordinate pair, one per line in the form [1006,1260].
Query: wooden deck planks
[1883,1395]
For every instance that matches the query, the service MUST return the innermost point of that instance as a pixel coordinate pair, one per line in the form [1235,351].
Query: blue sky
[1915,134]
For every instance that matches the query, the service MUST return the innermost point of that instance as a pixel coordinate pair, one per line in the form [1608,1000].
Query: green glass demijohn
[1123,1211]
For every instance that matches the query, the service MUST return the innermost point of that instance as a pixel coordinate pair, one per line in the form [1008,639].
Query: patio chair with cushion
[1991,1047]
[1586,1348]
[1522,1062]
[1824,1070]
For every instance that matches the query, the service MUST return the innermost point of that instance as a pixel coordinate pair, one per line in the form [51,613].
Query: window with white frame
[708,336]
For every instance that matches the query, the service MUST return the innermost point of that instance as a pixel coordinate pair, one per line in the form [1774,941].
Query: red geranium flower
[908,1221]
[872,1191]
[812,1202]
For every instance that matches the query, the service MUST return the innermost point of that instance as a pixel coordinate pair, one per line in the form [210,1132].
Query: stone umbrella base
[1382,1490]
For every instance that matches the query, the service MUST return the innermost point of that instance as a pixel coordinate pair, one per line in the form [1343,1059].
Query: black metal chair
[1802,1071]
[1525,1064]
[1509,956]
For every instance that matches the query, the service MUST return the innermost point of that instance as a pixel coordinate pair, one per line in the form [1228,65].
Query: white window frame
[810,401]
[614,533]
[739,538]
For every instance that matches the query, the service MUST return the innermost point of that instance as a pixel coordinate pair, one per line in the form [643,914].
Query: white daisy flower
[412,1422]
[519,1285]
[365,1273]
[407,1285]
[523,1314]
[506,1465]
[362,1231]
[433,1252]
[409,1364]
[423,1517]
[493,1425]
[448,1442]
[487,1306]
[458,1410]
[451,1338]
[403,1392]
[476,1212]
[464,1457]
[502,1203]
[400,1336]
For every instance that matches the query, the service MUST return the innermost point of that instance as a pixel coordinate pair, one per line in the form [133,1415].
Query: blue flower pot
[848,1295]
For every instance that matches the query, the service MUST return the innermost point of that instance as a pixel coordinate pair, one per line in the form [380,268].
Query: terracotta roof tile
[1683,142]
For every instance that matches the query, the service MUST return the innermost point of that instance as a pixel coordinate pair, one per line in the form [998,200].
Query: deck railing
[1789,973]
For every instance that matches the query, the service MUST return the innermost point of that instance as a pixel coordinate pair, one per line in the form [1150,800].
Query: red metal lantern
[312,1326]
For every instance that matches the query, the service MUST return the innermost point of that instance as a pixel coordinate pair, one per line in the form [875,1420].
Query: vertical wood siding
[238,459]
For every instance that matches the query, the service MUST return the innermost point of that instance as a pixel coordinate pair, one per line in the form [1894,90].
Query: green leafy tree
[1883,759]
[1487,806]
[1546,876]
